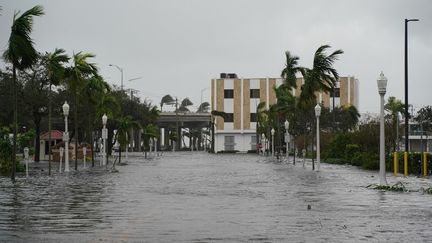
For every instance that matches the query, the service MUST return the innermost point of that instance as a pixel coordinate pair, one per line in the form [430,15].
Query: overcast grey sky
[179,46]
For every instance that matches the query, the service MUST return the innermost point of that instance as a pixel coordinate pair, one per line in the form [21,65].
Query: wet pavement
[200,197]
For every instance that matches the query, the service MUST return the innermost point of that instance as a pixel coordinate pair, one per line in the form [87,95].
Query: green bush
[352,152]
[335,161]
[337,146]
[369,161]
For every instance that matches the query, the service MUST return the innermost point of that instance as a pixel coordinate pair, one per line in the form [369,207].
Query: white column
[383,180]
[66,138]
[318,146]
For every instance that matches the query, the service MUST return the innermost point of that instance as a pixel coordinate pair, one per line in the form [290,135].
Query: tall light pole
[317,114]
[263,145]
[287,139]
[121,71]
[272,141]
[66,135]
[406,85]
[382,85]
[104,137]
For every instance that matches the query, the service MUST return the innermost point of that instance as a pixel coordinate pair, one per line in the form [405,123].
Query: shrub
[335,161]
[337,145]
[369,161]
[352,151]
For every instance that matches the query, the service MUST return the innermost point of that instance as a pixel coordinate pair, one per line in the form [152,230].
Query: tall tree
[21,54]
[394,107]
[290,70]
[80,71]
[204,107]
[166,100]
[322,76]
[93,94]
[125,124]
[55,73]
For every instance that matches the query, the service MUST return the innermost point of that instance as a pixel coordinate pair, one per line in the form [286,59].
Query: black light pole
[406,83]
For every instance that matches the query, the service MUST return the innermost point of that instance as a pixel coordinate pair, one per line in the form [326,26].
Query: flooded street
[200,197]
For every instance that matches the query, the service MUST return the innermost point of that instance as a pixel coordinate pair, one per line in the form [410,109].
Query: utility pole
[177,126]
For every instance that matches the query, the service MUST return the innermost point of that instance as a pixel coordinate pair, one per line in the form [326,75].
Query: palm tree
[215,113]
[150,132]
[290,70]
[125,124]
[94,93]
[394,107]
[167,99]
[204,107]
[21,53]
[77,74]
[322,76]
[55,73]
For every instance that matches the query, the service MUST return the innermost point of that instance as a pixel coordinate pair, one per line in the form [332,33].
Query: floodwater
[200,197]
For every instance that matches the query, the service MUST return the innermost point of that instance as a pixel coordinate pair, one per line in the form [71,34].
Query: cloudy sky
[178,46]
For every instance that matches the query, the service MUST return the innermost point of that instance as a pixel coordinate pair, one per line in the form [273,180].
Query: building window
[229,143]
[229,117]
[228,93]
[254,93]
[253,142]
[253,117]
[336,92]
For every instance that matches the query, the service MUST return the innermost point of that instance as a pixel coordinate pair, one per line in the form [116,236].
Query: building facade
[239,98]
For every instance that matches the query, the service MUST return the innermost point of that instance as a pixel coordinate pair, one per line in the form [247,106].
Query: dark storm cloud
[178,46]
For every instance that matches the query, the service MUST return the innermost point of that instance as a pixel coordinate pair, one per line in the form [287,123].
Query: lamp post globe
[65,109]
[317,110]
[104,119]
[318,114]
[382,86]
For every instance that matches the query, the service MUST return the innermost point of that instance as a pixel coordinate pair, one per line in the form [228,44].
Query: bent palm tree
[322,76]
[204,107]
[55,72]
[290,70]
[167,99]
[21,53]
[215,113]
[77,74]
[125,124]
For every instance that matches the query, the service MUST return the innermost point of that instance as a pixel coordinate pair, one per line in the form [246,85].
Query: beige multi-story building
[239,98]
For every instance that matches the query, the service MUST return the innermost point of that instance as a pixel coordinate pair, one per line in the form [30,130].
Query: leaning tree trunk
[76,130]
[13,169]
[37,140]
[49,129]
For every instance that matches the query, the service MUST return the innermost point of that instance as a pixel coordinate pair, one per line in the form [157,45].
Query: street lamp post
[263,143]
[406,85]
[272,137]
[382,85]
[104,138]
[121,71]
[84,150]
[317,114]
[66,135]
[26,158]
[61,159]
[287,139]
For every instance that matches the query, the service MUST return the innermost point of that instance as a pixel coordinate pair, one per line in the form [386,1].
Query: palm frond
[20,51]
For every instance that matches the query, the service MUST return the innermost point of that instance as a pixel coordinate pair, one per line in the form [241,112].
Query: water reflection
[205,198]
